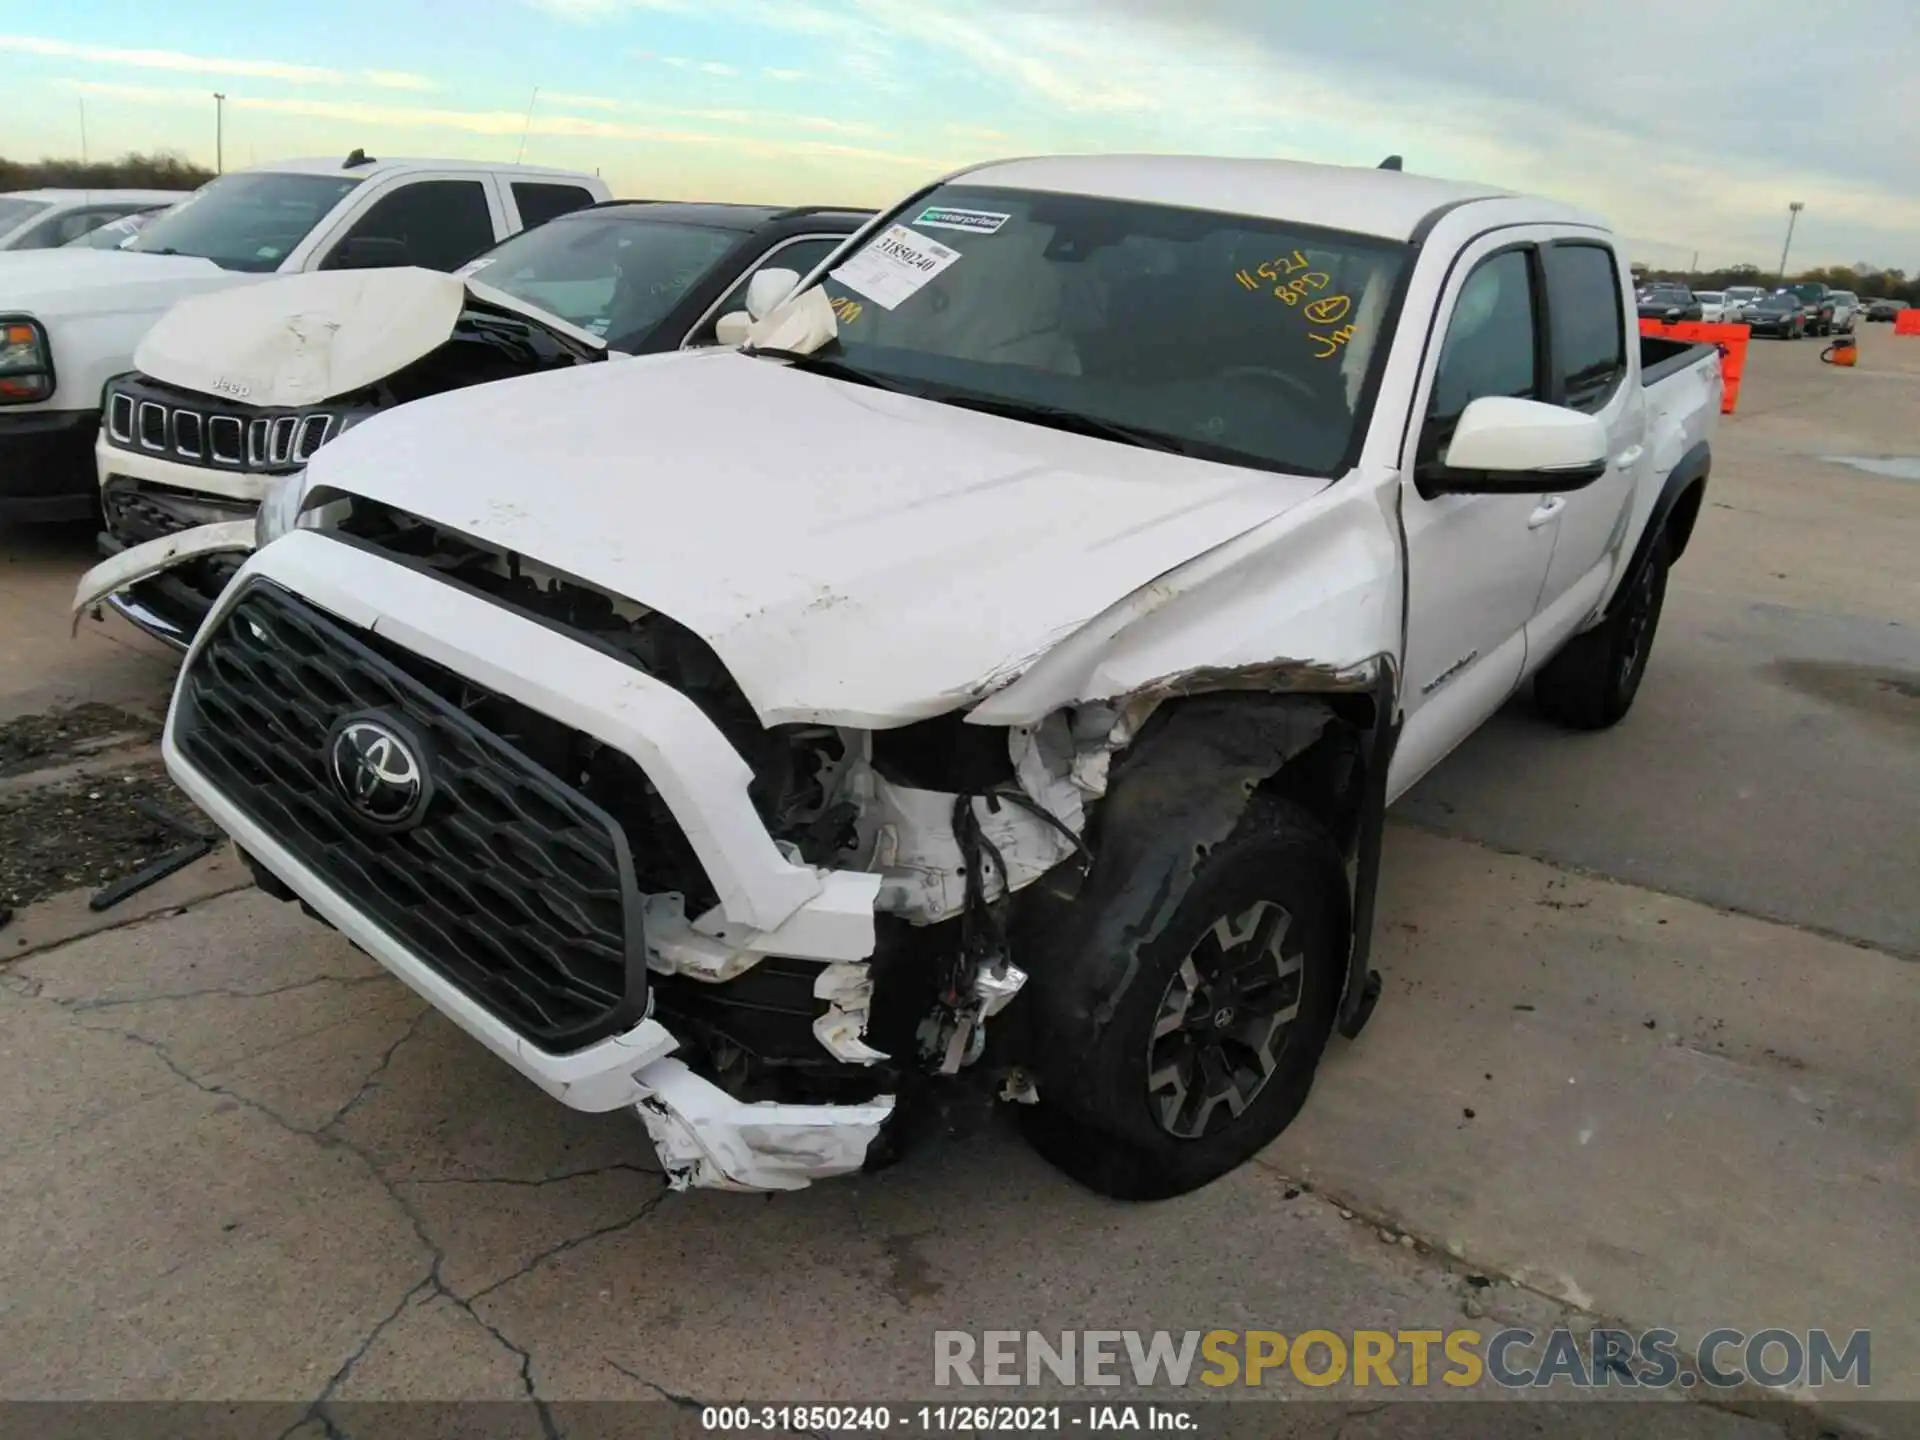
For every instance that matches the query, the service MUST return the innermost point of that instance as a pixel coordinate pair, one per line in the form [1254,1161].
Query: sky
[1690,123]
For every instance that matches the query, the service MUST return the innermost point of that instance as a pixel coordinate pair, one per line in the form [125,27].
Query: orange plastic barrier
[1731,340]
[1907,322]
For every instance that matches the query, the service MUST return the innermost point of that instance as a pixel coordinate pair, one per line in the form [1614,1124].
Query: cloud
[398,80]
[582,102]
[171,60]
[975,132]
[776,73]
[775,145]
[1618,107]
[180,61]
[714,67]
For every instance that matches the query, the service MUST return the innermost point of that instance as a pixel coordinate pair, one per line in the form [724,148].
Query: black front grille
[513,886]
[139,512]
[147,416]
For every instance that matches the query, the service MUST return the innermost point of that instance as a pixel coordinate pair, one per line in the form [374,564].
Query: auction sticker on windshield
[979,222]
[894,267]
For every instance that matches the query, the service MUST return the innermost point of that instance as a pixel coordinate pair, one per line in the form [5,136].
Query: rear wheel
[1592,683]
[1212,1030]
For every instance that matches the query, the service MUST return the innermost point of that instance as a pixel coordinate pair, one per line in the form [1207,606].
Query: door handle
[1629,456]
[1546,510]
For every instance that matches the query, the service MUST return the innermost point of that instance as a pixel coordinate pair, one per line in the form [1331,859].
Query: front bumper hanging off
[769,905]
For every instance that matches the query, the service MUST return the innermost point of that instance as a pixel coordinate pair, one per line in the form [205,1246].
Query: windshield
[249,221]
[616,275]
[14,212]
[1712,297]
[1222,336]
[113,234]
[1807,292]
[1779,302]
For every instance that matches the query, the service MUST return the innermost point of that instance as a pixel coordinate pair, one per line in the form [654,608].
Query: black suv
[1816,304]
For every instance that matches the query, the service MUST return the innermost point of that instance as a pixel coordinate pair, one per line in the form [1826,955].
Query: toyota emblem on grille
[379,770]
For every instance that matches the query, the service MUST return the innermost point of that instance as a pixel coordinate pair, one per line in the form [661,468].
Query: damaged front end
[811,942]
[235,392]
[932,828]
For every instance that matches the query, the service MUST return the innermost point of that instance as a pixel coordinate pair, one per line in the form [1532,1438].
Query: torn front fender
[141,562]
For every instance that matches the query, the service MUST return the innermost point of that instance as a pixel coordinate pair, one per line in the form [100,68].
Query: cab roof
[1390,204]
[383,164]
[718,216]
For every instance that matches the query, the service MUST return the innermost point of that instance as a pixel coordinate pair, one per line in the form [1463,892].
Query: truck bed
[1660,357]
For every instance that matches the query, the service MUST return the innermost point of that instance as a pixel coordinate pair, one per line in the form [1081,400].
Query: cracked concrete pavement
[1646,1048]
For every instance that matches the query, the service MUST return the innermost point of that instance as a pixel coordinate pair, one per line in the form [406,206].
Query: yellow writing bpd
[1320,1357]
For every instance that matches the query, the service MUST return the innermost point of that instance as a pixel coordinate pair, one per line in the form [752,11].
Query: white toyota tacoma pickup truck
[70,318]
[987,683]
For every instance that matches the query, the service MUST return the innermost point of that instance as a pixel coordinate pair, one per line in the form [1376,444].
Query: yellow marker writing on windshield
[1329,311]
[1271,271]
[1332,342]
[846,309]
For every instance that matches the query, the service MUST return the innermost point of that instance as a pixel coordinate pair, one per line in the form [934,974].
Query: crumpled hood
[66,284]
[854,556]
[306,338]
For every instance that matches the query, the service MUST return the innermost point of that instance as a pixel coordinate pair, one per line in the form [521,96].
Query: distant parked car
[1739,297]
[1882,311]
[1779,314]
[1669,303]
[1715,308]
[1846,310]
[48,219]
[1816,304]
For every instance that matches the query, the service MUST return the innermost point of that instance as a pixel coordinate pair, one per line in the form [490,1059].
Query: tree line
[1868,284]
[162,171]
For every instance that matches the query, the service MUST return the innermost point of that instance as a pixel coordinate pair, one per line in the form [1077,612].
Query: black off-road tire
[1590,685]
[1099,1118]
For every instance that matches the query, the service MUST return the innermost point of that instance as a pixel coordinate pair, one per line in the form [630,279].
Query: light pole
[1793,213]
[219,133]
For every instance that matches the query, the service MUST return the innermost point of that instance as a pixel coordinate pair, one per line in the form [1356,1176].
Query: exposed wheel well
[1680,520]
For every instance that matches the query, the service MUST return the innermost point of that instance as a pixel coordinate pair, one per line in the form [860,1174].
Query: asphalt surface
[1646,1053]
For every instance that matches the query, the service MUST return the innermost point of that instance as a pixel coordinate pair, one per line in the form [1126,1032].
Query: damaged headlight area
[279,509]
[953,820]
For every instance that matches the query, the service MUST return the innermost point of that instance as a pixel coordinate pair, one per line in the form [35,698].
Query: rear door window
[443,223]
[539,201]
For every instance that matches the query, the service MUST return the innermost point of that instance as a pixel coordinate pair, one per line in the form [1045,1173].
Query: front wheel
[1591,684]
[1212,1031]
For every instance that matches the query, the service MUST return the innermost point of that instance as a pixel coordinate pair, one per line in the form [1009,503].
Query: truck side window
[540,201]
[1491,346]
[443,223]
[1589,324]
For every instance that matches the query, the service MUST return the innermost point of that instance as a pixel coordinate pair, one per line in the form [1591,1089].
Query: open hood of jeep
[854,556]
[301,339]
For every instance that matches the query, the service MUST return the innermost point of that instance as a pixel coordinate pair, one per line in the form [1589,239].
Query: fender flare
[1680,495]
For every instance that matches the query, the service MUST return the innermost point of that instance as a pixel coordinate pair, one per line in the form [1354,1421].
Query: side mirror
[767,289]
[371,252]
[1503,446]
[732,328]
